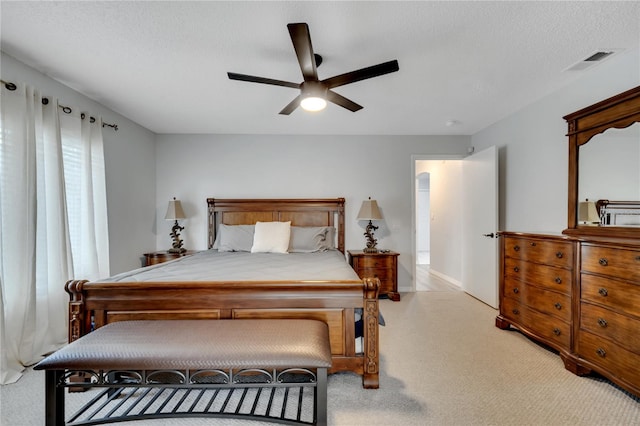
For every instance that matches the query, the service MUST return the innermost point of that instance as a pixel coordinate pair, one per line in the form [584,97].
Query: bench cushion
[197,345]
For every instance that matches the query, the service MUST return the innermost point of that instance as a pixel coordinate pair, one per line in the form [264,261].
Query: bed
[180,290]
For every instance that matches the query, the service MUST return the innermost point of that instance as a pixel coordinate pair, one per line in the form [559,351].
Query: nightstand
[383,266]
[163,256]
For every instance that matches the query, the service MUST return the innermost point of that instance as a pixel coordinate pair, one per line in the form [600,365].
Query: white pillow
[271,237]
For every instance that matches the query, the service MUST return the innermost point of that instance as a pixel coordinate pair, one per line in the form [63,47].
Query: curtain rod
[65,109]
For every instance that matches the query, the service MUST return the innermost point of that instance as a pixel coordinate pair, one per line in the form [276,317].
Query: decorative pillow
[271,237]
[234,237]
[309,239]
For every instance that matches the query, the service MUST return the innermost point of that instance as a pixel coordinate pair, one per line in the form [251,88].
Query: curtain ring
[92,120]
[66,110]
[45,101]
[10,86]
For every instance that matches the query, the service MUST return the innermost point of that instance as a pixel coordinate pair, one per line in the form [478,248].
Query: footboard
[94,304]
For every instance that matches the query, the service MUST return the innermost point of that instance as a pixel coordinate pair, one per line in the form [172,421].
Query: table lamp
[369,211]
[175,212]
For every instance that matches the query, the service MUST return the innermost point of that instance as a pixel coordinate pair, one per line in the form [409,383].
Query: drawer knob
[557,331]
[601,352]
[516,269]
[515,312]
[602,322]
[558,280]
[603,292]
[516,248]
[559,255]
[558,305]
[533,244]
[603,262]
[516,290]
[638,258]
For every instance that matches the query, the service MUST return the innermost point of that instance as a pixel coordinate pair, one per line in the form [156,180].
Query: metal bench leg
[54,398]
[321,397]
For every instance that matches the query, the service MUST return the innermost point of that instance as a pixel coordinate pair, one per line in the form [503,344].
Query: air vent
[592,59]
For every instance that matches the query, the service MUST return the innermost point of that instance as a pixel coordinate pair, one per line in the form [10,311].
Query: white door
[479,226]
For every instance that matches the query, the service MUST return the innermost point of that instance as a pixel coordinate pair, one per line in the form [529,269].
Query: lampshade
[587,212]
[174,211]
[369,210]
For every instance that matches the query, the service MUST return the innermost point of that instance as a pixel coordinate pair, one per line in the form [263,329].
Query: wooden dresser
[608,337]
[578,295]
[536,286]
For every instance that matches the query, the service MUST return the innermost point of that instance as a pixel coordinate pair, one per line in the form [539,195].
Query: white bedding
[211,265]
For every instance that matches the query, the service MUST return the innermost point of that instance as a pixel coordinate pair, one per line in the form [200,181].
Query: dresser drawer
[547,302]
[622,329]
[621,263]
[620,296]
[611,357]
[553,278]
[551,329]
[556,253]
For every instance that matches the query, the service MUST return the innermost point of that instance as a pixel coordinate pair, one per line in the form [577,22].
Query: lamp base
[370,250]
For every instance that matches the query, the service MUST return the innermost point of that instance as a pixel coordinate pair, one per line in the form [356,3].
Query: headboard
[301,212]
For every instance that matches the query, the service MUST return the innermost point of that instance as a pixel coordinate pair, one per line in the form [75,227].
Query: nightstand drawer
[375,262]
[382,274]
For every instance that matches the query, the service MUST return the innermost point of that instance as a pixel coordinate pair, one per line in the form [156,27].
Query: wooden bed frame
[94,304]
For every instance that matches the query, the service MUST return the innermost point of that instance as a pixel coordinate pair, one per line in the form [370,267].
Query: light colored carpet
[443,363]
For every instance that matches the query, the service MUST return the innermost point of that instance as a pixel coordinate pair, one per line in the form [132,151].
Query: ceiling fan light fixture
[314,96]
[313,103]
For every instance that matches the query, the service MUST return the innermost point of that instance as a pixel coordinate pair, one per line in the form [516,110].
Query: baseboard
[446,278]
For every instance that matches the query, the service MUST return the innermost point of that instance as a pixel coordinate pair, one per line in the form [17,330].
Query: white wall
[533,148]
[130,168]
[194,167]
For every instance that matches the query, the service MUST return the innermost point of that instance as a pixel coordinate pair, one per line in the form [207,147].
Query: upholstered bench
[259,369]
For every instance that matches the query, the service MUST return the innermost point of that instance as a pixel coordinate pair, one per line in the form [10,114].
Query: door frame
[414,158]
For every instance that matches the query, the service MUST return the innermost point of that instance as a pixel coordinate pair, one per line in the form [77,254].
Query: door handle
[491,235]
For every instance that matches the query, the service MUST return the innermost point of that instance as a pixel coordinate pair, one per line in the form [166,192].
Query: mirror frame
[618,112]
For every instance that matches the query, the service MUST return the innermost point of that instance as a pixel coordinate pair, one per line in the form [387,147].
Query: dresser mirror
[604,165]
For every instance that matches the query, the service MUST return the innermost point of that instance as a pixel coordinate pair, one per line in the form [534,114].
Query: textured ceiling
[164,64]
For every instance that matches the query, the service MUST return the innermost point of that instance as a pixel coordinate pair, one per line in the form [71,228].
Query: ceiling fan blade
[304,51]
[291,106]
[342,101]
[362,74]
[254,79]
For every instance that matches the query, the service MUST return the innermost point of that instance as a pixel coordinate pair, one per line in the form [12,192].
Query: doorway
[437,222]
[463,219]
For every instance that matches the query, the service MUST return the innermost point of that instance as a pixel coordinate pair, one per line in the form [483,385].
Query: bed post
[371,371]
[77,314]
[341,224]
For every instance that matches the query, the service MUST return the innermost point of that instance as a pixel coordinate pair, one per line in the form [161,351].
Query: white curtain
[51,187]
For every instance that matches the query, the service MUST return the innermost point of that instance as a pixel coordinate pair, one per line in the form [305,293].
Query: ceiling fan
[314,92]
